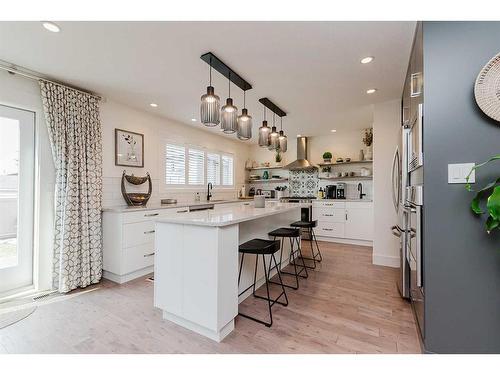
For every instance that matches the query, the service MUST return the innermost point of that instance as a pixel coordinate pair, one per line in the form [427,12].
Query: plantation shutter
[213,168]
[196,166]
[227,170]
[175,166]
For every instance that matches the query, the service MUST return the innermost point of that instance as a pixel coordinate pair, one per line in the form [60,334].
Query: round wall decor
[487,88]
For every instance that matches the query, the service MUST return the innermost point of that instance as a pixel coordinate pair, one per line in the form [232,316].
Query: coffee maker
[340,191]
[330,191]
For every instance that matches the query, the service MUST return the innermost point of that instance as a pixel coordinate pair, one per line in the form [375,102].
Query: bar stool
[294,236]
[310,225]
[262,247]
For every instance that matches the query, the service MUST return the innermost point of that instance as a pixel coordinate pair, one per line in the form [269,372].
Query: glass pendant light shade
[282,140]
[264,132]
[210,108]
[244,125]
[229,112]
[273,139]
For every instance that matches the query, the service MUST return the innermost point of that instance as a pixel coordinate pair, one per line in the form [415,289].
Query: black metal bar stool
[262,247]
[293,234]
[310,225]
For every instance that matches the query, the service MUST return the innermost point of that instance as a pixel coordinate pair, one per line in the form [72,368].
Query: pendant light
[273,136]
[282,138]
[244,122]
[210,105]
[229,112]
[264,131]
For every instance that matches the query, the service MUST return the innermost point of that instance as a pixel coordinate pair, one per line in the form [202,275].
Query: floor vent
[44,295]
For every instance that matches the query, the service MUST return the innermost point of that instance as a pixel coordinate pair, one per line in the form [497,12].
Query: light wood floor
[347,305]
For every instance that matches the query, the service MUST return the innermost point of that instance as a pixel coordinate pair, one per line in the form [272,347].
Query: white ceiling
[310,69]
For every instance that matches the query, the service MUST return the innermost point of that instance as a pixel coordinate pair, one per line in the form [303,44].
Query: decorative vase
[369,152]
[361,155]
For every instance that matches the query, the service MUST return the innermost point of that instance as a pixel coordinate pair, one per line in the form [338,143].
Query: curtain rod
[14,69]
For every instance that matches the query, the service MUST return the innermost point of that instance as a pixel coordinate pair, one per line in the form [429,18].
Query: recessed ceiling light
[154,105]
[333,130]
[193,119]
[367,59]
[371,91]
[51,26]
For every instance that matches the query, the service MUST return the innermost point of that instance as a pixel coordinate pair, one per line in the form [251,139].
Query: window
[196,167]
[187,166]
[227,170]
[175,165]
[213,169]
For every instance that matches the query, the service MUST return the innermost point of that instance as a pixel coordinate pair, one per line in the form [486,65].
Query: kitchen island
[196,262]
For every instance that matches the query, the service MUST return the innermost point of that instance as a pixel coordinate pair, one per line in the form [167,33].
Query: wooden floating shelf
[348,178]
[263,168]
[346,162]
[268,180]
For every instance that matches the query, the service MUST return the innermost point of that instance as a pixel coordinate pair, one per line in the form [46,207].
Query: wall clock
[487,88]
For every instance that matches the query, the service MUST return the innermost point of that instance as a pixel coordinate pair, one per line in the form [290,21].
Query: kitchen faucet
[360,189]
[209,191]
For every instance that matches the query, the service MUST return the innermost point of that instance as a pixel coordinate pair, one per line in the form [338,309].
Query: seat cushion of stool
[305,224]
[285,232]
[259,246]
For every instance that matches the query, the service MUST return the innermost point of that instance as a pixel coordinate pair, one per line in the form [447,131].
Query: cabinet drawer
[329,204]
[329,229]
[334,215]
[363,205]
[137,216]
[138,233]
[138,257]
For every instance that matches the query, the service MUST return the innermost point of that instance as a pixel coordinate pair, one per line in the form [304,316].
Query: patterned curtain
[75,134]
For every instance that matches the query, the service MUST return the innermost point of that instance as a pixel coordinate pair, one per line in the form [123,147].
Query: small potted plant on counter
[327,157]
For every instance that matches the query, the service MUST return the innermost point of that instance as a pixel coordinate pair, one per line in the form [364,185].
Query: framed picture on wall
[129,148]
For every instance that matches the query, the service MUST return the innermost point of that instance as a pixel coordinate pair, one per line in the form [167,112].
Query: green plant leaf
[491,224]
[475,205]
[493,204]
[468,186]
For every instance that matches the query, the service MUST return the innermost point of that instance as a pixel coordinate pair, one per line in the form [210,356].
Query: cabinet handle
[346,216]
[182,211]
[327,214]
[148,215]
[328,229]
[149,255]
[149,231]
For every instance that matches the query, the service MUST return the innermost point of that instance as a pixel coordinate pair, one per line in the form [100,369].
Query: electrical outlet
[457,173]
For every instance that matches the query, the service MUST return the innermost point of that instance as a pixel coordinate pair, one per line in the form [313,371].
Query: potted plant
[326,171]
[327,157]
[278,157]
[368,141]
[491,195]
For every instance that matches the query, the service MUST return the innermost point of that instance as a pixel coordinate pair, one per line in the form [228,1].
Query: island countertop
[229,215]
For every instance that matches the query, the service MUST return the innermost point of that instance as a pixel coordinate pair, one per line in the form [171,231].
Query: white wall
[156,130]
[386,138]
[25,94]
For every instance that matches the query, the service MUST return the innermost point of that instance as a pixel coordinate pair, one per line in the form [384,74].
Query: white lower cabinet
[344,221]
[129,242]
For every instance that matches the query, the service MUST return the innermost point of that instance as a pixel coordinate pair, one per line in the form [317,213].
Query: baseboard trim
[345,241]
[385,260]
[120,279]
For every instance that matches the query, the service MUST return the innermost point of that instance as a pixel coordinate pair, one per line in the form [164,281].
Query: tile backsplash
[304,183]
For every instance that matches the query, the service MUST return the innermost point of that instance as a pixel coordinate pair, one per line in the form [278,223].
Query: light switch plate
[457,173]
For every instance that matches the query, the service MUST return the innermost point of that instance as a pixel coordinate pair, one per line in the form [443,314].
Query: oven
[415,253]
[415,140]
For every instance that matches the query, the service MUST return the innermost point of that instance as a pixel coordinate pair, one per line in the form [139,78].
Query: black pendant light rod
[273,107]
[225,70]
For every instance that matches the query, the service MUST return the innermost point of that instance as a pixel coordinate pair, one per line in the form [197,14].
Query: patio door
[17,177]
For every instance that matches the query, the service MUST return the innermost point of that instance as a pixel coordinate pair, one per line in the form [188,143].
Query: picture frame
[129,148]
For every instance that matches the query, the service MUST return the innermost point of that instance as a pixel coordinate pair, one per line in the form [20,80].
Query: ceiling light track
[272,107]
[225,70]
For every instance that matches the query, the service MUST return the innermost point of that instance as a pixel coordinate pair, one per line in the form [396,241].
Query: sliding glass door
[17,174]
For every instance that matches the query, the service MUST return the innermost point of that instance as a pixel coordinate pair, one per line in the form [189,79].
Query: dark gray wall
[462,262]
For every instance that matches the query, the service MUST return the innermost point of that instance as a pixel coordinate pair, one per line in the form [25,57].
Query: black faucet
[209,191]
[360,189]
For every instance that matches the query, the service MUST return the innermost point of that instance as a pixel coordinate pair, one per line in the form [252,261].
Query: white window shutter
[227,170]
[175,165]
[196,167]
[213,168]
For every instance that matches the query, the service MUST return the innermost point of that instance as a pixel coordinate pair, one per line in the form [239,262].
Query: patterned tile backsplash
[304,183]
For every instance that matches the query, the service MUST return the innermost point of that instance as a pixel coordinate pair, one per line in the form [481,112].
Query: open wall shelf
[346,163]
[263,168]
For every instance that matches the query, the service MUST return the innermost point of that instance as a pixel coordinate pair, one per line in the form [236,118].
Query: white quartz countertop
[230,215]
[159,206]
[343,200]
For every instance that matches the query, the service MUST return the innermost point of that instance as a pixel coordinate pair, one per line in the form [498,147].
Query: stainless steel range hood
[301,163]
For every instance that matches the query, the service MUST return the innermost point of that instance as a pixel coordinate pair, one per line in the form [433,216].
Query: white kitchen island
[196,262]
